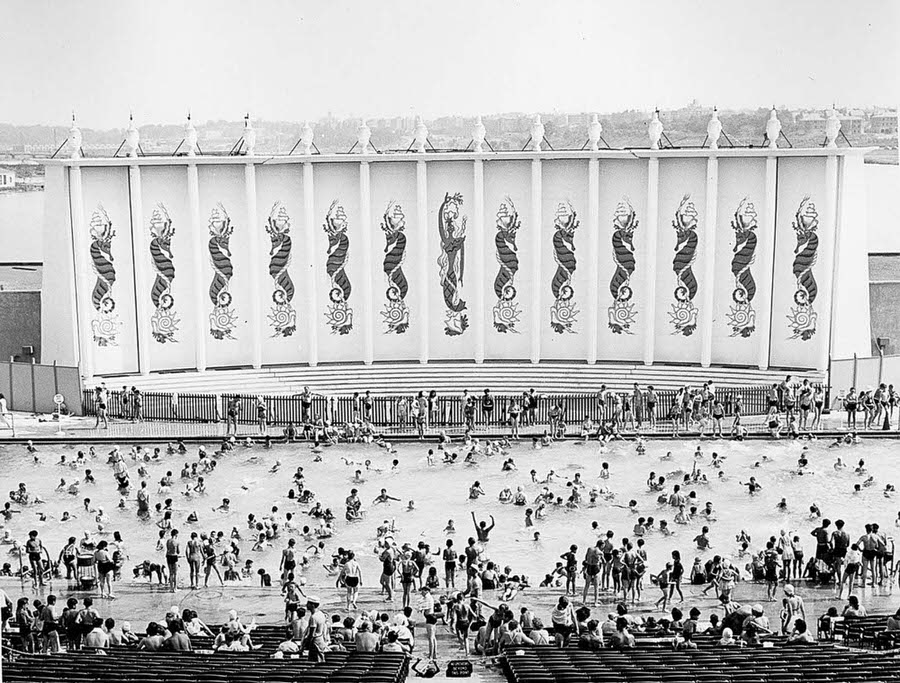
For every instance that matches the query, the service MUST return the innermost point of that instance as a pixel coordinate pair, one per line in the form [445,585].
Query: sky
[299,60]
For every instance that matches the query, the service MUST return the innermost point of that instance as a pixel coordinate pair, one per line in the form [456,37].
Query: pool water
[440,493]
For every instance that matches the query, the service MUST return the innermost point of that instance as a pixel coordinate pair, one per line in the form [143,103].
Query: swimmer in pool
[383,497]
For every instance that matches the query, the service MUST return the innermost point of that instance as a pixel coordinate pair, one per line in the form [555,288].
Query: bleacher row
[786,664]
[265,637]
[864,632]
[132,666]
[123,664]
[397,378]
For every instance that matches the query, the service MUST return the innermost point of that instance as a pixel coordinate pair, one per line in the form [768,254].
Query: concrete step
[448,378]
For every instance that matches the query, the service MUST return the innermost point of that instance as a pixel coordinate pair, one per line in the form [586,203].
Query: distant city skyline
[292,61]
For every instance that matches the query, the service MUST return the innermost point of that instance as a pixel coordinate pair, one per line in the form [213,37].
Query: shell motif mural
[621,313]
[282,316]
[105,325]
[338,314]
[803,317]
[683,315]
[396,312]
[506,311]
[223,319]
[563,313]
[741,317]
[164,321]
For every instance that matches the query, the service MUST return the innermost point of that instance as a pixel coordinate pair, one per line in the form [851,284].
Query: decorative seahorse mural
[106,325]
[506,310]
[684,314]
[164,321]
[622,314]
[396,312]
[563,313]
[339,314]
[283,317]
[802,318]
[451,262]
[223,318]
[741,316]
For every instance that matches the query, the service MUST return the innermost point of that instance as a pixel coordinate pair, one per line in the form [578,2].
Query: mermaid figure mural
[164,321]
[223,319]
[339,314]
[563,313]
[283,317]
[622,314]
[803,316]
[106,325]
[684,314]
[452,230]
[506,310]
[396,312]
[741,316]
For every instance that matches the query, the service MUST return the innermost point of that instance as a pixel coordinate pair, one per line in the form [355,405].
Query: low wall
[864,373]
[20,323]
[30,387]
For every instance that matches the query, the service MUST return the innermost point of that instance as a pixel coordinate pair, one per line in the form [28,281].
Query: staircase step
[448,377]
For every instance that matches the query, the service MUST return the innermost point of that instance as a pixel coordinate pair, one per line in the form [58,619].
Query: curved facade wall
[673,256]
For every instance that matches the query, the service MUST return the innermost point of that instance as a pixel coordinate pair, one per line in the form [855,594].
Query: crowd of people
[794,408]
[470,588]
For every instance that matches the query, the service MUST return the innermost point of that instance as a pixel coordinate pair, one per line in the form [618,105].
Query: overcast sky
[302,59]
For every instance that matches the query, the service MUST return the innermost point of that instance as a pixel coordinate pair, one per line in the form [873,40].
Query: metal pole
[33,390]
[855,368]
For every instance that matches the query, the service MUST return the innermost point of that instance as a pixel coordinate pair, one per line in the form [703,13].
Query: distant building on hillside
[883,123]
[852,123]
[7,177]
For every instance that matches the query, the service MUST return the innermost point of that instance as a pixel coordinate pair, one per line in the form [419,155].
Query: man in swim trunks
[35,550]
[352,579]
[840,541]
[823,544]
[592,570]
[482,530]
[288,562]
[173,553]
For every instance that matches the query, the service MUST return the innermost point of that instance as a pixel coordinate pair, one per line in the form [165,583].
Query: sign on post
[459,668]
[59,399]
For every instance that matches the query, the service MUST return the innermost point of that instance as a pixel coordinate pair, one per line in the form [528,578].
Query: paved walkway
[45,428]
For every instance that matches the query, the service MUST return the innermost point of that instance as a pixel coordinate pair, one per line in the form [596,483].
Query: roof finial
[478,133]
[190,136]
[773,129]
[249,135]
[714,129]
[655,130]
[75,140]
[132,137]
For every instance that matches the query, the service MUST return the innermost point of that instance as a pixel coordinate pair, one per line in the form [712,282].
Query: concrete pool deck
[74,429]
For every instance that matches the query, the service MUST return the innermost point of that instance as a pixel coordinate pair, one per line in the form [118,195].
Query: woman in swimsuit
[194,553]
[818,405]
[209,562]
[408,573]
[850,407]
[105,567]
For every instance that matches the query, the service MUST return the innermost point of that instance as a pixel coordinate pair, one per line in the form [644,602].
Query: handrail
[445,410]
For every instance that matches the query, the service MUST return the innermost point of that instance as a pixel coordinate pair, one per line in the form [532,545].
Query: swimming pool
[440,493]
